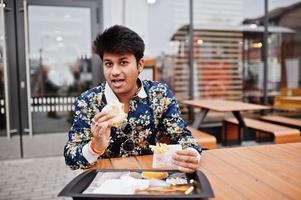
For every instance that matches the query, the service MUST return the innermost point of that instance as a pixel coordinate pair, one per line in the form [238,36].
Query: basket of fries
[163,153]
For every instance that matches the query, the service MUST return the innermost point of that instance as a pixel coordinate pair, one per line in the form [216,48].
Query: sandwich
[117,109]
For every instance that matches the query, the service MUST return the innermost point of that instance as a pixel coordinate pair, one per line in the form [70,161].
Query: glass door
[9,142]
[58,65]
[3,75]
[59,53]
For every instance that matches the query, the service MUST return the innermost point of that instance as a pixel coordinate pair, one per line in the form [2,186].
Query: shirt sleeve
[173,125]
[79,136]
[90,156]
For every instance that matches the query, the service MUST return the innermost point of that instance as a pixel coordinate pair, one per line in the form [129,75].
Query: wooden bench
[281,134]
[286,121]
[205,140]
[290,92]
[289,103]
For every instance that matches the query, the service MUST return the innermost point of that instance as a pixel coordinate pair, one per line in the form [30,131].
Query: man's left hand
[187,160]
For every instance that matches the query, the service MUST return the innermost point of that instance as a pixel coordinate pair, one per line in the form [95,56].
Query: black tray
[75,188]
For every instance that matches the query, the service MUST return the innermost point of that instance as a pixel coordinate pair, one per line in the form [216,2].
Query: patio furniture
[281,134]
[288,103]
[281,120]
[236,107]
[205,140]
[257,172]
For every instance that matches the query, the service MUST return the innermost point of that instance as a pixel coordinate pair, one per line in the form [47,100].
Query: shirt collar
[109,94]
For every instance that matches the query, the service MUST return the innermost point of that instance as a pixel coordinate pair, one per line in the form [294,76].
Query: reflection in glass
[60,63]
[288,45]
[284,53]
[2,89]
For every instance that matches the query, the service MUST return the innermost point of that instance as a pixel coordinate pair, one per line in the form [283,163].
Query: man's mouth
[118,82]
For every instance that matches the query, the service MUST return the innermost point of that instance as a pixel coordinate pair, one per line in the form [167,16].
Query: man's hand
[187,160]
[101,130]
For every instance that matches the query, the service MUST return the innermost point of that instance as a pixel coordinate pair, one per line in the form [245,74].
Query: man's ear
[140,65]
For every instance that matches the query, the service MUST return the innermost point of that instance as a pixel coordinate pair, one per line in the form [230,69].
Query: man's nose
[116,70]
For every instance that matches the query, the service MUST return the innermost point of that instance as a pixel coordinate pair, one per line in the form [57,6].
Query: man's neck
[126,98]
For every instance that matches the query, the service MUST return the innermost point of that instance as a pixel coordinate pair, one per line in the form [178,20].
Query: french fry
[159,148]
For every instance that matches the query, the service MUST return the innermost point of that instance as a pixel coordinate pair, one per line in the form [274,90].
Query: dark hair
[119,39]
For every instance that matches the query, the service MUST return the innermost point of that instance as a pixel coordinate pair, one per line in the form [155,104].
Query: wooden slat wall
[218,55]
[217,72]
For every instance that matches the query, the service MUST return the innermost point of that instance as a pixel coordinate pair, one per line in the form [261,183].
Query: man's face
[121,72]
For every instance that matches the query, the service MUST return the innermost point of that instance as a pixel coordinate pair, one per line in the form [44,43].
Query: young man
[153,113]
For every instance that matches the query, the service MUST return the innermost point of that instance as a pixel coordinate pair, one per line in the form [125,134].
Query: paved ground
[30,179]
[39,145]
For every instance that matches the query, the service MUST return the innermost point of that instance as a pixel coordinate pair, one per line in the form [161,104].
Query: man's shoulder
[92,92]
[154,85]
[154,88]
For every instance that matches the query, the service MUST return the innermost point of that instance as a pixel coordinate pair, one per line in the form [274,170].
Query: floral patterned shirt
[154,117]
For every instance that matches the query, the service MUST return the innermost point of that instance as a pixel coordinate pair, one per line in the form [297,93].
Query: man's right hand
[101,130]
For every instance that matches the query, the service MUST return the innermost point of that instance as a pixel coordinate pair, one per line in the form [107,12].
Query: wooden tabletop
[224,105]
[288,102]
[260,172]
[291,98]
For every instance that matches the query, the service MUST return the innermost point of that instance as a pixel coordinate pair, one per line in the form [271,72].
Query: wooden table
[289,102]
[292,98]
[260,172]
[222,106]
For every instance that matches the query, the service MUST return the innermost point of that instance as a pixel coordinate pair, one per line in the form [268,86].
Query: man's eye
[124,62]
[108,64]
